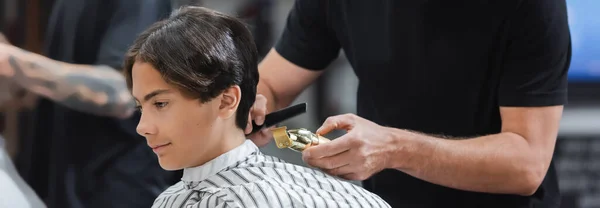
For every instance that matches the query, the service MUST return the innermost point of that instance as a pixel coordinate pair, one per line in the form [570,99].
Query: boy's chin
[168,166]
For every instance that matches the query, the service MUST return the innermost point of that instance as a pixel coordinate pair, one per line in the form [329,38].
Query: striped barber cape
[244,177]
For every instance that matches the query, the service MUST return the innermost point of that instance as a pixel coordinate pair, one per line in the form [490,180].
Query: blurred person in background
[82,149]
[15,191]
[3,39]
[459,102]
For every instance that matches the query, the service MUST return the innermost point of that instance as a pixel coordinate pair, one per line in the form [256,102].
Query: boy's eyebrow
[155,93]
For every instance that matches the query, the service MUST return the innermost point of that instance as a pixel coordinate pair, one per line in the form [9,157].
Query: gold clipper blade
[296,139]
[282,139]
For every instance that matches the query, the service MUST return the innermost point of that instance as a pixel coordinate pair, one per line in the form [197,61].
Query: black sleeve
[308,40]
[130,18]
[538,56]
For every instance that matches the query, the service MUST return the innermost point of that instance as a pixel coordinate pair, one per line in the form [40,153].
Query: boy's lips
[159,147]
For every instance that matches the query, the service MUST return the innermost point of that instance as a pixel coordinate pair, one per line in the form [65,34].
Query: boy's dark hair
[202,52]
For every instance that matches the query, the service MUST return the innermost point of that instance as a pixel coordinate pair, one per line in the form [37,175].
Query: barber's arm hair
[98,90]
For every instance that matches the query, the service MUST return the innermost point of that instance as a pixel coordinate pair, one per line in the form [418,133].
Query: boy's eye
[160,104]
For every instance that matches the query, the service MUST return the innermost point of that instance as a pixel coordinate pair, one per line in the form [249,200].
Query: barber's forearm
[501,163]
[275,101]
[98,90]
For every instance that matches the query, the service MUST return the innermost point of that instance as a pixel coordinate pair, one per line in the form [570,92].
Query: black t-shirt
[440,67]
[74,159]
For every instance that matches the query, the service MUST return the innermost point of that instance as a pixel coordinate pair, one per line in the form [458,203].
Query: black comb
[279,116]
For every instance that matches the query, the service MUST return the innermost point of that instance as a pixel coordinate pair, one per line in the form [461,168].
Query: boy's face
[183,132]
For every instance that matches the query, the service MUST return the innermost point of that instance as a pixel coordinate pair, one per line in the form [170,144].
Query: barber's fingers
[328,149]
[341,171]
[345,122]
[262,138]
[329,162]
[248,128]
[257,113]
[259,109]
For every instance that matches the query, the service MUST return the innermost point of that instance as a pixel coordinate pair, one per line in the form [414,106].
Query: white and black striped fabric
[244,177]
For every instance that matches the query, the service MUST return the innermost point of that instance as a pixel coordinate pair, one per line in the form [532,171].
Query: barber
[458,102]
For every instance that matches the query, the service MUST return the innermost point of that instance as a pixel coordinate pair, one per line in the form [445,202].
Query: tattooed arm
[3,39]
[99,90]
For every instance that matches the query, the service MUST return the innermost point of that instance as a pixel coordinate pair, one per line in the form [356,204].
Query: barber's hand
[363,151]
[258,113]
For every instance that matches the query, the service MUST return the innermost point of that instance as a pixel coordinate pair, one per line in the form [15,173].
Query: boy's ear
[230,99]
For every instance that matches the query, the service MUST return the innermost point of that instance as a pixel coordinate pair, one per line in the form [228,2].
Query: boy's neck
[232,139]
[236,149]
